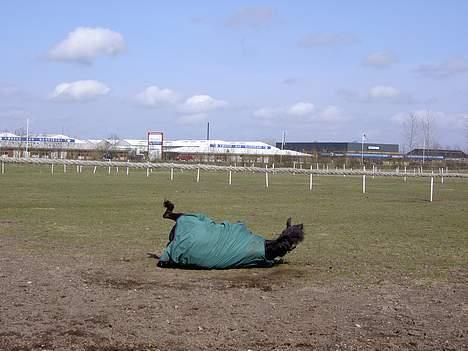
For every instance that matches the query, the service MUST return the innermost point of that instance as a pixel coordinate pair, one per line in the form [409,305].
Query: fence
[441,173]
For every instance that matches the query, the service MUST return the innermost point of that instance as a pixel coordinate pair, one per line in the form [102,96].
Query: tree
[428,130]
[410,131]
[419,130]
[108,147]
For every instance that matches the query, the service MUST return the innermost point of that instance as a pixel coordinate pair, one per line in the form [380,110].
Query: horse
[196,241]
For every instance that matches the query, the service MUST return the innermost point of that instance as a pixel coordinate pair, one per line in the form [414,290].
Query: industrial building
[372,151]
[339,147]
[437,154]
[64,147]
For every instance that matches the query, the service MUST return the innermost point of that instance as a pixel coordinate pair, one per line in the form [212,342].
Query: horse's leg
[168,214]
[172,215]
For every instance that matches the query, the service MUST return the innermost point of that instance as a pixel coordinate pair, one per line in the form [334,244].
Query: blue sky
[319,70]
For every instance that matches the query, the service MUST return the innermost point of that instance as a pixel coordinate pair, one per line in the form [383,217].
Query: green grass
[390,232]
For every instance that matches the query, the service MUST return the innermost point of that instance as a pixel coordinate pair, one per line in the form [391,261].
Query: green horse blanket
[200,242]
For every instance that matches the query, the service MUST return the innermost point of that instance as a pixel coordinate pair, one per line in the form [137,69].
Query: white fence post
[310,180]
[364,180]
[3,167]
[230,177]
[198,175]
[172,173]
[442,176]
[94,170]
[432,188]
[116,170]
[52,169]
[147,170]
[266,175]
[109,171]
[77,169]
[64,168]
[405,175]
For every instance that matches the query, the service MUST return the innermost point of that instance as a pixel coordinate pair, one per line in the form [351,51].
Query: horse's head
[295,232]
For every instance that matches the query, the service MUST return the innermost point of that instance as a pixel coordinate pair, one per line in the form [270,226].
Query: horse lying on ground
[196,241]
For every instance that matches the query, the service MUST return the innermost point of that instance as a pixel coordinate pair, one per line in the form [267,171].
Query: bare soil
[75,301]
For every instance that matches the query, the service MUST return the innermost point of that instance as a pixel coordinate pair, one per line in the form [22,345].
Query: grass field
[385,270]
[391,230]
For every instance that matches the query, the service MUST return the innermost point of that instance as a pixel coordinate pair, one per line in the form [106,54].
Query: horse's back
[199,241]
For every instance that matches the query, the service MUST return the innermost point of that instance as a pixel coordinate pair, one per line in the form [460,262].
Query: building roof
[226,147]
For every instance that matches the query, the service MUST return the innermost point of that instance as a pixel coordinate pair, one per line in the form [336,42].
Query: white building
[62,146]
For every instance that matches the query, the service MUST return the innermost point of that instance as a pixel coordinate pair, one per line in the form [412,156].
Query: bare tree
[108,147]
[428,130]
[410,131]
[20,131]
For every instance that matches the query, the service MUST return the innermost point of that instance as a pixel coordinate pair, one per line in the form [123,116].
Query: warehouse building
[437,154]
[339,147]
[64,147]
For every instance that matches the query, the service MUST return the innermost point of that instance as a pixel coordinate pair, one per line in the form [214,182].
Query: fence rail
[205,167]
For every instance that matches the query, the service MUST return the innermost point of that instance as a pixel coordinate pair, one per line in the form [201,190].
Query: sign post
[155,145]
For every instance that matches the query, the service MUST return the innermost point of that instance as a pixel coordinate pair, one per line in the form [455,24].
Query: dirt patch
[67,301]
[6,222]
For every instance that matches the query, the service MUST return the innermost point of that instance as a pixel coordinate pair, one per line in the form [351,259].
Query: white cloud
[446,69]
[301,109]
[383,92]
[449,121]
[401,117]
[326,39]
[252,17]
[380,59]
[201,104]
[305,112]
[154,96]
[84,44]
[378,94]
[81,90]
[331,113]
